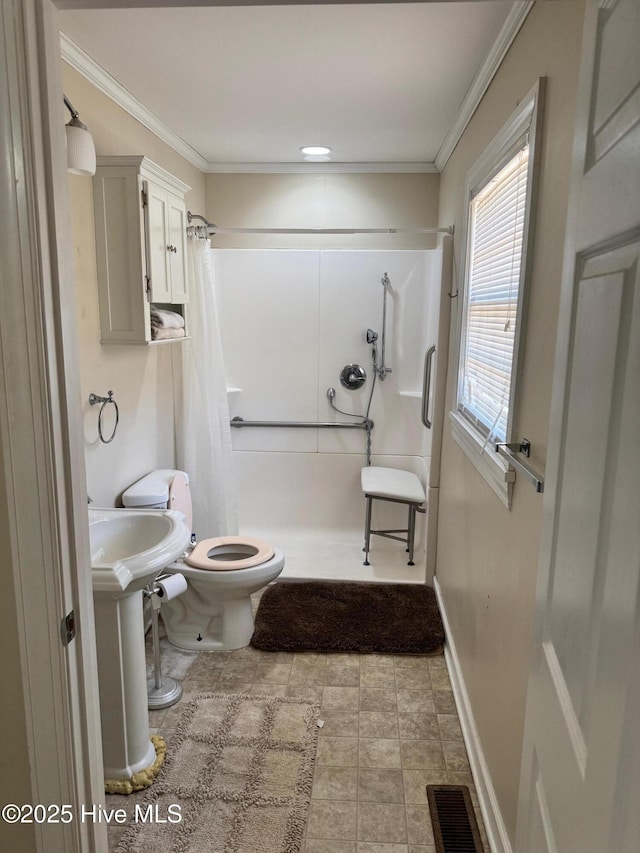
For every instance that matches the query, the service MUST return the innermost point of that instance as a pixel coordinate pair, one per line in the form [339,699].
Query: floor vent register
[455,828]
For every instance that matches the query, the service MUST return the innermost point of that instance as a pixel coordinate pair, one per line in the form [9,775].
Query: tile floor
[390,728]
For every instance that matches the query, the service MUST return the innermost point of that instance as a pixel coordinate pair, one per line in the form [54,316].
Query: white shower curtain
[204,439]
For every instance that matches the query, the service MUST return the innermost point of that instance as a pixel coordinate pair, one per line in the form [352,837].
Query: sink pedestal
[122,677]
[129,548]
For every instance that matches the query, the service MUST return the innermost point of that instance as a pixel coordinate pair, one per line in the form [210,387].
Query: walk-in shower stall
[293,323]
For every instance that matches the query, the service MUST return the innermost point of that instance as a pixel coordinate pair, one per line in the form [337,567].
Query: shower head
[331,393]
[385,281]
[372,336]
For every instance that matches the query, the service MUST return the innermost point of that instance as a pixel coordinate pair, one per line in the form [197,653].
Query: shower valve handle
[353,376]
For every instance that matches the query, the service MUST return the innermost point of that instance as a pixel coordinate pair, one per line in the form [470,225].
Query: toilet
[215,611]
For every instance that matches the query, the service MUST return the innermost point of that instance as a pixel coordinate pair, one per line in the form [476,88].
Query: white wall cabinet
[140,220]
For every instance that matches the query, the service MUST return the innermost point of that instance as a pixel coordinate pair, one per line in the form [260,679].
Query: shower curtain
[204,435]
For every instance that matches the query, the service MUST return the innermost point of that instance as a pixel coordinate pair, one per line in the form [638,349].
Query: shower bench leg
[367,532]
[409,532]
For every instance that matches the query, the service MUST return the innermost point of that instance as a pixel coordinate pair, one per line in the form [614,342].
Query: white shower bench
[397,486]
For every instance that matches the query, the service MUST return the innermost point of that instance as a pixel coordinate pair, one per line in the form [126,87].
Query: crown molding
[509,30]
[76,57]
[322,168]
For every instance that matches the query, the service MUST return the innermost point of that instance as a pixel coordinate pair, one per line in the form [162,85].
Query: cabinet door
[157,243]
[177,249]
[120,255]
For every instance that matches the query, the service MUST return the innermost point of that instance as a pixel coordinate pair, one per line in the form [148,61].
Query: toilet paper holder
[162,691]
[169,586]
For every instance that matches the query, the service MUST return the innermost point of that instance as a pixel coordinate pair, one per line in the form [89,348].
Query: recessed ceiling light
[315,150]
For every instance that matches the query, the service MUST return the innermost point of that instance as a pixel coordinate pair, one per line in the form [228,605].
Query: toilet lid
[230,553]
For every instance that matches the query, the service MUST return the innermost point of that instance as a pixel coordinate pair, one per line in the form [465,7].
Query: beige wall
[142,378]
[487,556]
[366,200]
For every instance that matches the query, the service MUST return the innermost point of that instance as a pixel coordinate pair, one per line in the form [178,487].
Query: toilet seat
[229,553]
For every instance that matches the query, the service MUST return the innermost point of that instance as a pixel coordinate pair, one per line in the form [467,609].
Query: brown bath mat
[349,617]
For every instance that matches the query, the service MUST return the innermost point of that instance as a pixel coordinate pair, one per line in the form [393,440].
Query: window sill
[496,471]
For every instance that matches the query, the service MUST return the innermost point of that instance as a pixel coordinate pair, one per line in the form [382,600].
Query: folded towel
[166,334]
[162,319]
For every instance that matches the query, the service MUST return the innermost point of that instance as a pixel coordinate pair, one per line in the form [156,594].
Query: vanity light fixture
[81,150]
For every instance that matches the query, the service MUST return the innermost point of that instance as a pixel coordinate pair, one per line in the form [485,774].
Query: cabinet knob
[172,249]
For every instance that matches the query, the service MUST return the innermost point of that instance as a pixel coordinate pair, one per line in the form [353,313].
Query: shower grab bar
[240,422]
[508,451]
[426,386]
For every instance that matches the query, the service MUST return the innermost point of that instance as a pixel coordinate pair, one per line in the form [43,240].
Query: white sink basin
[130,547]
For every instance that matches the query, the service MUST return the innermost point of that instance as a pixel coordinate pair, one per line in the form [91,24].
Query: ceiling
[379,84]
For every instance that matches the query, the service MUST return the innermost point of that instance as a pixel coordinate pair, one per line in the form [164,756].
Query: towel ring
[94,399]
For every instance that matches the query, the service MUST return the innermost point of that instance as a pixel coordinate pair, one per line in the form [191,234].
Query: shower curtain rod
[214,229]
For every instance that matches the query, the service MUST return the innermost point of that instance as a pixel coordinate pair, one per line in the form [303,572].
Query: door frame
[41,436]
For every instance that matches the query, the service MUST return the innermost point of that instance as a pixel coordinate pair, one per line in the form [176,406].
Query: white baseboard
[494,824]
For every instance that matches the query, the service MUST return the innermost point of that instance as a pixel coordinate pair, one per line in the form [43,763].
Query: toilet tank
[165,488]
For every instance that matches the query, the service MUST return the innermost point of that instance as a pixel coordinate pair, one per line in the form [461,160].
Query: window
[499,197]
[496,225]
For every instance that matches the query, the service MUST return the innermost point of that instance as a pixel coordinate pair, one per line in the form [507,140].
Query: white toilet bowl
[215,611]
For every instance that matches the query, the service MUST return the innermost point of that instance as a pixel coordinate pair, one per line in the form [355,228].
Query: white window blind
[496,232]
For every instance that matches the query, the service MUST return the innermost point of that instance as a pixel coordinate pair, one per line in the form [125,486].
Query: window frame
[526,121]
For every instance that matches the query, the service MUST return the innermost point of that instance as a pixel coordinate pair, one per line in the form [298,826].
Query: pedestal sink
[129,548]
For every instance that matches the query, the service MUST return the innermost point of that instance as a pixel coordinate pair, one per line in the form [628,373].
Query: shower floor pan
[317,554]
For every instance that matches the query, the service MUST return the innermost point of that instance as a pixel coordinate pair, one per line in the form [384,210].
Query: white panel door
[582,734]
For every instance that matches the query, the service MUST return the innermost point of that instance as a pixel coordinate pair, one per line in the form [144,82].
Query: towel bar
[509,452]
